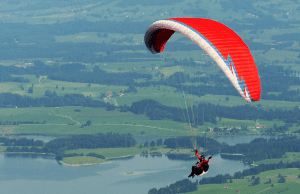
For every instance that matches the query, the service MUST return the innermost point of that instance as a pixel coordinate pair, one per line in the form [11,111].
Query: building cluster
[110,95]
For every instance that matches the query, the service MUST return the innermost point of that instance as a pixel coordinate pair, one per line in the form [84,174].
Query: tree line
[60,145]
[21,142]
[186,142]
[75,72]
[183,186]
[156,111]
[8,100]
[260,148]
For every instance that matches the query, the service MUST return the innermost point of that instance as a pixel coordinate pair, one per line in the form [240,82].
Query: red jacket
[202,162]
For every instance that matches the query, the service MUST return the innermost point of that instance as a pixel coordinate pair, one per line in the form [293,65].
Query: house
[225,187]
[260,126]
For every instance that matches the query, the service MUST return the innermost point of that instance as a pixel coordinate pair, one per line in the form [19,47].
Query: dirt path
[77,123]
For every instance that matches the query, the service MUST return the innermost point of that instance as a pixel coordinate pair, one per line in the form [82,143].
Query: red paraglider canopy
[221,43]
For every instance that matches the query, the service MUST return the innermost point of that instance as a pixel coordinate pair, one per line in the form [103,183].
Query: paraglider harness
[203,169]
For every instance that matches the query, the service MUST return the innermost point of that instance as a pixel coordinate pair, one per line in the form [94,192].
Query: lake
[37,174]
[42,174]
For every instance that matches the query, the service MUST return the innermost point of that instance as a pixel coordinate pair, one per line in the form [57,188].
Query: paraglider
[223,45]
[201,168]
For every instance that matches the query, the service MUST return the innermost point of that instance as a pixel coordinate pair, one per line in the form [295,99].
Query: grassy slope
[243,185]
[288,157]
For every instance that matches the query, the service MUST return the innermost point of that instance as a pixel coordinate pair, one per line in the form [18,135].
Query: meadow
[244,185]
[66,120]
[288,157]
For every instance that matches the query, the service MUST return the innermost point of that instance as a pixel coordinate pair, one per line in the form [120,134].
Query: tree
[30,90]
[47,93]
[153,191]
[131,88]
[256,181]
[282,180]
[152,144]
[56,86]
[159,142]
[88,123]
[63,88]
[110,107]
[227,98]
[146,144]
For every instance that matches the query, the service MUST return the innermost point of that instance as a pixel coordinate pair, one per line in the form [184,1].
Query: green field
[66,121]
[82,160]
[288,157]
[40,85]
[244,185]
